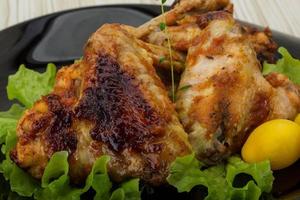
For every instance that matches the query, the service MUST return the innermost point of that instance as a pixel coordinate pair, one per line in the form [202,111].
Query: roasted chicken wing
[111,103]
[226,95]
[186,32]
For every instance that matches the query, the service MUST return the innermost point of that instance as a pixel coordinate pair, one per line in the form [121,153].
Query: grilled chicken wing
[186,31]
[227,96]
[181,9]
[111,103]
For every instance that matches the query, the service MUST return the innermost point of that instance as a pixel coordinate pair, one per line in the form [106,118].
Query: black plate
[60,37]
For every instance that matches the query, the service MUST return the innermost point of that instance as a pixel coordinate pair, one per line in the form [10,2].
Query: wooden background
[281,15]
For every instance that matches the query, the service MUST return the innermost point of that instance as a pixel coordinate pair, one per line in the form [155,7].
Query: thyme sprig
[163,27]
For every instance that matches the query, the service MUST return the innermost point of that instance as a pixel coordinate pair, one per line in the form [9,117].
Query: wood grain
[279,15]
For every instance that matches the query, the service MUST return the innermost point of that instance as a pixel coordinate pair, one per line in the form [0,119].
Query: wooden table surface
[281,15]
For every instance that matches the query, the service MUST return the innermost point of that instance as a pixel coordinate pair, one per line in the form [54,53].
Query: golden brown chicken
[181,10]
[111,103]
[185,32]
[226,95]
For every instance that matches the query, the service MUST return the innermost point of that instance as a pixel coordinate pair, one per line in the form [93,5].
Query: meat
[186,31]
[111,103]
[181,9]
[227,95]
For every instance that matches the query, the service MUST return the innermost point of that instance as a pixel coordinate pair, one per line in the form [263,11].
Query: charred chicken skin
[111,103]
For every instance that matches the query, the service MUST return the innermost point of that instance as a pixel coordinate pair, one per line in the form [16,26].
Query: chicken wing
[226,95]
[111,103]
[187,31]
[181,9]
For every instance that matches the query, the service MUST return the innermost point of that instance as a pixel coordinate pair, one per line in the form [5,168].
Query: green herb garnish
[184,88]
[163,26]
[161,60]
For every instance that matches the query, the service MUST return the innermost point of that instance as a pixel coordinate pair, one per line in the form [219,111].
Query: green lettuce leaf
[99,179]
[8,120]
[187,172]
[261,172]
[20,182]
[287,65]
[56,182]
[27,85]
[127,191]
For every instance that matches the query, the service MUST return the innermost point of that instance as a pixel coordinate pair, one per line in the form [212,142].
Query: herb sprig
[163,27]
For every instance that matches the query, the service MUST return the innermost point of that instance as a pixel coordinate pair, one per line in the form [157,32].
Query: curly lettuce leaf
[99,179]
[8,120]
[187,172]
[127,191]
[20,182]
[287,65]
[56,182]
[261,172]
[27,85]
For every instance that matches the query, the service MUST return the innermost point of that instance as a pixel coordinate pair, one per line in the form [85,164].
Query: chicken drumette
[227,95]
[111,103]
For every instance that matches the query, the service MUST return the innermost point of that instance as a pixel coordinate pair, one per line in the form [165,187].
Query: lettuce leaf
[56,182]
[27,85]
[20,182]
[127,191]
[8,120]
[261,172]
[187,172]
[287,65]
[99,179]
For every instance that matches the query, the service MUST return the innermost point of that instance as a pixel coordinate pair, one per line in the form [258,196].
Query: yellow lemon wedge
[277,141]
[297,119]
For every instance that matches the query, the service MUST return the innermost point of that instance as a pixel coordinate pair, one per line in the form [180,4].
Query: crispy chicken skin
[111,103]
[228,96]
